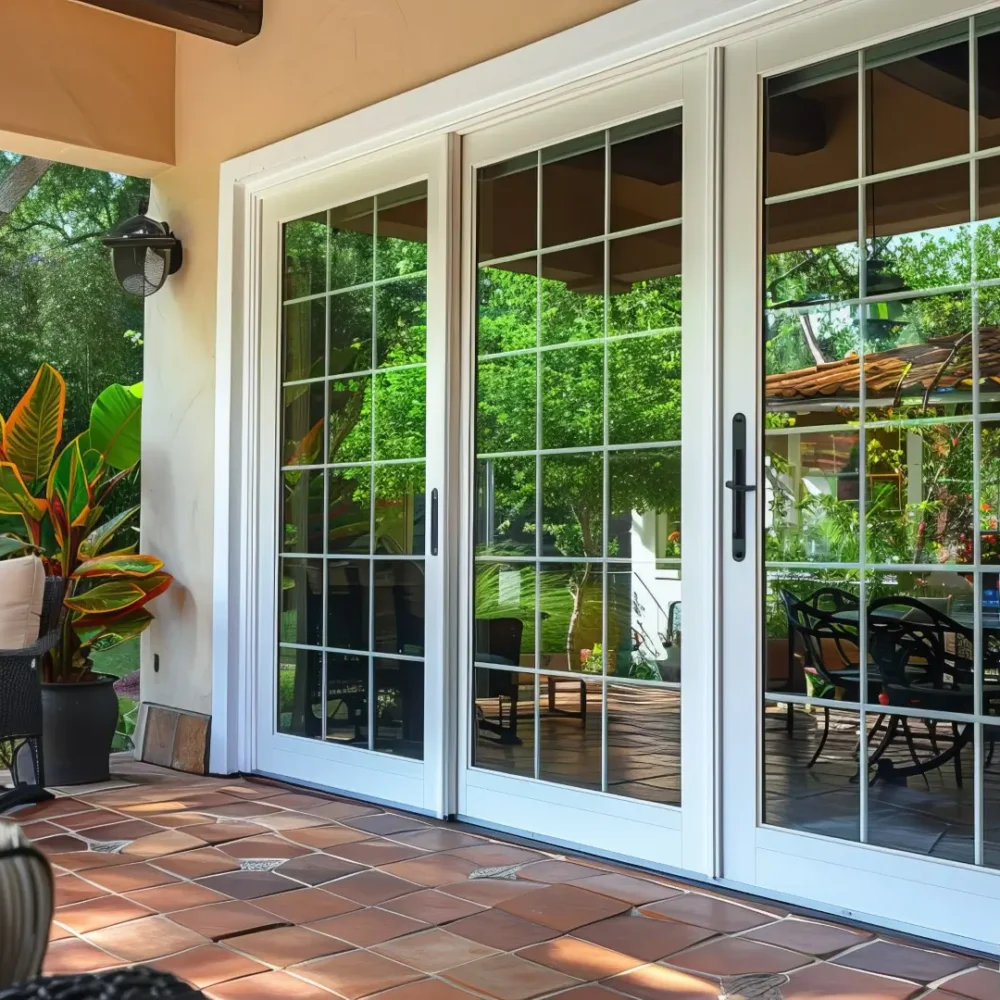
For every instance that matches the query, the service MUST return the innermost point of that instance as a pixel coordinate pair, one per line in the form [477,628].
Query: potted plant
[53,502]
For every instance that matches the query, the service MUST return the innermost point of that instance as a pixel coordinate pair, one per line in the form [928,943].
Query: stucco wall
[83,86]
[316,60]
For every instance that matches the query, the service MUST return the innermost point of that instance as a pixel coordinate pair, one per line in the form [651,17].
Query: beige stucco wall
[86,87]
[316,60]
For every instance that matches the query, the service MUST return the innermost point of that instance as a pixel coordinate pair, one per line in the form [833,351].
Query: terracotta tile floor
[248,890]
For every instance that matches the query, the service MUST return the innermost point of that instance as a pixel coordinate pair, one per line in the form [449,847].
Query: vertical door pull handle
[434,522]
[739,487]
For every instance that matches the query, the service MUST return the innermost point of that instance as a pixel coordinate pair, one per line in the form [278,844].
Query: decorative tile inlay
[261,864]
[108,846]
[497,871]
[753,987]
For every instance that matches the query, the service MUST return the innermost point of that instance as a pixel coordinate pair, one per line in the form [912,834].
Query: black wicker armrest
[137,983]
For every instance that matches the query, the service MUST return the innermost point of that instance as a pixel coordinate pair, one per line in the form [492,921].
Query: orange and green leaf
[69,482]
[107,598]
[115,425]
[34,427]
[15,498]
[101,537]
[119,565]
[105,632]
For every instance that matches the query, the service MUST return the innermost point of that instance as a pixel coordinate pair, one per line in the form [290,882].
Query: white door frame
[952,901]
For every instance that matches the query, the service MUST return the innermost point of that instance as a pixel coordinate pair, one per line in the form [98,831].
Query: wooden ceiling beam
[231,21]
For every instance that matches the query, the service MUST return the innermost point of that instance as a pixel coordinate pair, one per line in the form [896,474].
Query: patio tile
[432,906]
[434,950]
[146,939]
[976,984]
[208,965]
[637,891]
[555,872]
[266,846]
[834,981]
[177,896]
[903,962]
[284,946]
[657,982]
[198,864]
[563,907]
[302,906]
[223,833]
[61,843]
[163,843]
[315,869]
[178,819]
[239,810]
[323,837]
[707,911]
[357,974]
[371,887]
[501,930]
[75,956]
[644,937]
[89,817]
[51,810]
[298,800]
[591,992]
[43,828]
[365,928]
[57,933]
[507,977]
[222,920]
[580,959]
[432,870]
[96,913]
[127,878]
[490,892]
[73,889]
[345,810]
[437,839]
[266,985]
[87,861]
[375,851]
[385,824]
[248,885]
[493,855]
[253,790]
[809,936]
[119,829]
[425,989]
[737,957]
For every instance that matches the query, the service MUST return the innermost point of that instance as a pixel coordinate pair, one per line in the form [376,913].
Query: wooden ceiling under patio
[231,21]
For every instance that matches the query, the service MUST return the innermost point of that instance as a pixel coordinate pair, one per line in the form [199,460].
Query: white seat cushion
[22,588]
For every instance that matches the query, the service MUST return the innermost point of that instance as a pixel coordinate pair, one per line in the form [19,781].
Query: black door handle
[434,522]
[740,488]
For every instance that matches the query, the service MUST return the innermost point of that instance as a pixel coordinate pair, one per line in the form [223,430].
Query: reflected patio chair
[498,640]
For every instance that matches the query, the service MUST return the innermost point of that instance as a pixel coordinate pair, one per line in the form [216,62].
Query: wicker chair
[21,704]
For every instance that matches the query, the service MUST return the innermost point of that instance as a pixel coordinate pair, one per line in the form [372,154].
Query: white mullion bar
[372,696]
[585,678]
[341,376]
[606,473]
[863,124]
[569,344]
[584,449]
[334,292]
[537,722]
[324,672]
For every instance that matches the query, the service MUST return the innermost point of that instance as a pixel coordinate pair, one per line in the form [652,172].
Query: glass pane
[347,603]
[573,190]
[917,232]
[401,413]
[351,331]
[351,244]
[302,511]
[989,494]
[987,232]
[570,732]
[573,397]
[506,404]
[644,520]
[304,340]
[810,770]
[644,620]
[572,504]
[400,508]
[402,232]
[350,510]
[645,283]
[571,601]
[300,679]
[812,127]
[644,743]
[504,727]
[920,493]
[573,295]
[399,708]
[507,208]
[812,250]
[646,168]
[505,505]
[302,424]
[988,100]
[508,307]
[505,614]
[399,607]
[923,797]
[350,420]
[401,322]
[347,699]
[991,796]
[301,616]
[644,389]
[918,94]
[305,256]
[988,677]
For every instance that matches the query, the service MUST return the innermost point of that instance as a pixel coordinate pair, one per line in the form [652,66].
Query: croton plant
[53,502]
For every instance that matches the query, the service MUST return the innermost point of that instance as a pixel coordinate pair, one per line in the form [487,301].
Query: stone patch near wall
[176,739]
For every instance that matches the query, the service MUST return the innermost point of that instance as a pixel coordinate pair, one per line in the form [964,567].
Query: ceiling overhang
[231,21]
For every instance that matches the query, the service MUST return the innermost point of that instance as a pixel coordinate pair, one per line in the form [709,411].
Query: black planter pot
[78,728]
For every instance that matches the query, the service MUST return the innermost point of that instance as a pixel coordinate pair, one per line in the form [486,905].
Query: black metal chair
[21,704]
[499,640]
